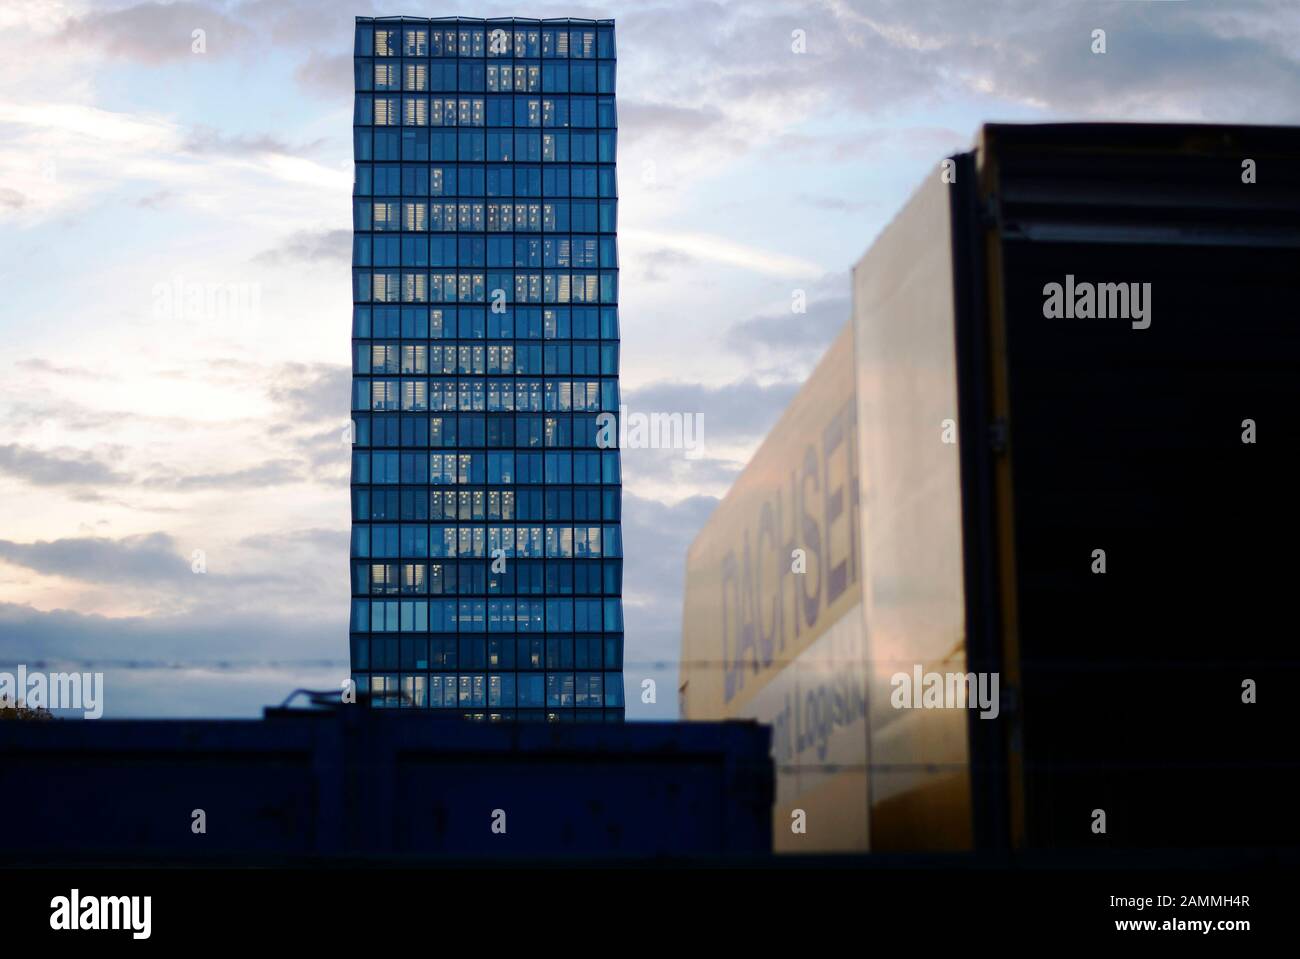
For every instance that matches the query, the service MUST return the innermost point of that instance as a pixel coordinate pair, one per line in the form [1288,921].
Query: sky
[174,259]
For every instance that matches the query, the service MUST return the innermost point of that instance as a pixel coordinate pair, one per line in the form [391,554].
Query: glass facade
[486,556]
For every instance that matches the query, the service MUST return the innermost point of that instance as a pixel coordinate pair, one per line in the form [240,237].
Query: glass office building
[486,555]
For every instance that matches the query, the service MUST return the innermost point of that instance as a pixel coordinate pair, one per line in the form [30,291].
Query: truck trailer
[1015,569]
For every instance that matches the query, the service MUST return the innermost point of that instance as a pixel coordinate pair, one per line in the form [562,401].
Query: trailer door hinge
[998,435]
[990,212]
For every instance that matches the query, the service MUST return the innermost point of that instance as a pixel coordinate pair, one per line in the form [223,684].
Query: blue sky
[138,431]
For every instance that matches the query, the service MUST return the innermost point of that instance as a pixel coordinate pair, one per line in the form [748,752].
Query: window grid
[485,347]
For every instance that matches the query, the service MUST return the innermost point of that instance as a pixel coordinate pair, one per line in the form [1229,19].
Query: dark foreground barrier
[348,783]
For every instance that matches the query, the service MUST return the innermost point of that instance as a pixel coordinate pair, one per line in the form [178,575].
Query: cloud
[312,391]
[298,573]
[327,75]
[328,454]
[639,119]
[736,412]
[77,417]
[60,467]
[833,204]
[654,471]
[798,338]
[718,249]
[655,537]
[655,261]
[68,467]
[311,246]
[315,538]
[271,473]
[205,141]
[149,558]
[1156,64]
[85,124]
[874,60]
[295,24]
[1039,55]
[207,636]
[54,154]
[37,364]
[156,200]
[156,33]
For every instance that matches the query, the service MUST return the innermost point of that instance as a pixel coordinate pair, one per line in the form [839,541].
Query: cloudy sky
[140,427]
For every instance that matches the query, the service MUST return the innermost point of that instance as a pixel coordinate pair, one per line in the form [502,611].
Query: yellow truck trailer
[1014,569]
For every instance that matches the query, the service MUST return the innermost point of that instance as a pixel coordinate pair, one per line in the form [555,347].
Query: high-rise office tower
[486,551]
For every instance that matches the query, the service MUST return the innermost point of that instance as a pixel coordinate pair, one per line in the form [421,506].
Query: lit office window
[417,77]
[417,42]
[384,216]
[385,111]
[417,112]
[415,217]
